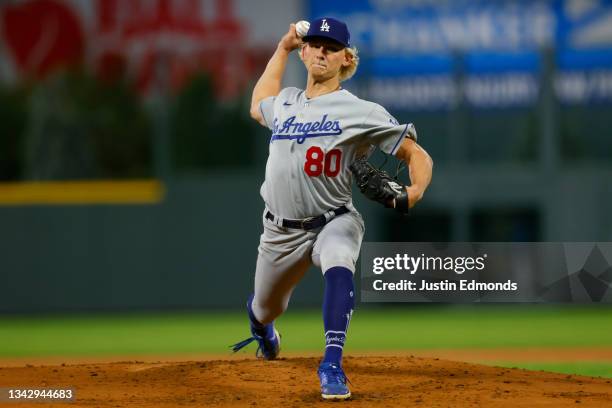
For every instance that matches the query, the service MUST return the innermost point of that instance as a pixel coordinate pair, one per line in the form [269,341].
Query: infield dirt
[401,381]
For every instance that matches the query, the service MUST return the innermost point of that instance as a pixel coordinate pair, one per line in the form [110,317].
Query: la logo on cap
[328,27]
[325,26]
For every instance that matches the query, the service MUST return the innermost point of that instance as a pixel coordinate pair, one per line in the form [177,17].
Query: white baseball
[301,28]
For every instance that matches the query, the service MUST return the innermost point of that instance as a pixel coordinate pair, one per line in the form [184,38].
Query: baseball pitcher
[320,140]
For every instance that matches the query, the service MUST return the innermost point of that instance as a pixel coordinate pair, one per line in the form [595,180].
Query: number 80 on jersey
[318,162]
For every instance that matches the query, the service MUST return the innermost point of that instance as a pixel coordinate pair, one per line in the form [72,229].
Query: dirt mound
[292,382]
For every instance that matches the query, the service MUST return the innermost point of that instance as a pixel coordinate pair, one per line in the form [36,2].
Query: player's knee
[342,256]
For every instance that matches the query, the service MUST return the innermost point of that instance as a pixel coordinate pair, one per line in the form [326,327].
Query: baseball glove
[377,185]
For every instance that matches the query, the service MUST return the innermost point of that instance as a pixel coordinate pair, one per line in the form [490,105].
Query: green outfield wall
[197,246]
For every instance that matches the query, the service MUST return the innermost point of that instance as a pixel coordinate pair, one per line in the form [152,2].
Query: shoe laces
[241,344]
[333,374]
[260,343]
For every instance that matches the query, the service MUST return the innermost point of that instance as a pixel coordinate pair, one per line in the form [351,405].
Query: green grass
[465,327]
[383,329]
[592,369]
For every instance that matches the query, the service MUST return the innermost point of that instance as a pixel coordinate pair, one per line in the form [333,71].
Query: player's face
[324,58]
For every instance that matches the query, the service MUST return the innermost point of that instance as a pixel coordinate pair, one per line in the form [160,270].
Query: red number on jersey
[318,162]
[333,158]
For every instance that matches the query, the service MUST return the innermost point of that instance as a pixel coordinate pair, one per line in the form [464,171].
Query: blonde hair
[347,72]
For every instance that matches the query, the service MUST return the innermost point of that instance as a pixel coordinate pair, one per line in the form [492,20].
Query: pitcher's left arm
[420,167]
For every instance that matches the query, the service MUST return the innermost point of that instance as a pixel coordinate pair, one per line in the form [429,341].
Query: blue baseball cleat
[266,336]
[333,382]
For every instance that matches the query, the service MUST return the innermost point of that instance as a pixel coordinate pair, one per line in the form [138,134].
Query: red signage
[158,44]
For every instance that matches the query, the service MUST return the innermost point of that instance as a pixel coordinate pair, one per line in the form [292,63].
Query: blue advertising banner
[428,26]
[420,46]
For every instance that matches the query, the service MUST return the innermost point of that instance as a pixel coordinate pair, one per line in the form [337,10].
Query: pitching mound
[292,382]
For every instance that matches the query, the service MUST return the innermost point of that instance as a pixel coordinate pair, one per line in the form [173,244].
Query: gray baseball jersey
[313,143]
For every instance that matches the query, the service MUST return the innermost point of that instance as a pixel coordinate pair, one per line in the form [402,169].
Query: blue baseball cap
[328,27]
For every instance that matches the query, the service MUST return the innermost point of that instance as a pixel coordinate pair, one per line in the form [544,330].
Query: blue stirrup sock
[338,304]
[262,330]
